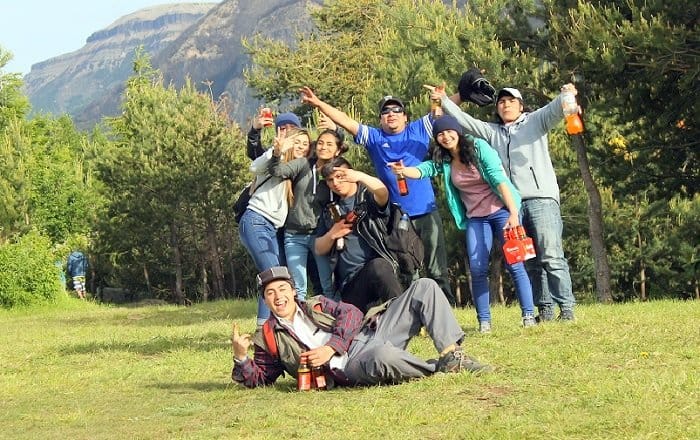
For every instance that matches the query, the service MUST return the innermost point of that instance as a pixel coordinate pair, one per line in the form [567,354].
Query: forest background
[148,194]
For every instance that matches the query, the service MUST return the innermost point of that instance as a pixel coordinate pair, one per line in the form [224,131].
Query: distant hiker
[77,268]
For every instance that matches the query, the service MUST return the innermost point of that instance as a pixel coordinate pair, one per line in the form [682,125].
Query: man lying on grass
[351,348]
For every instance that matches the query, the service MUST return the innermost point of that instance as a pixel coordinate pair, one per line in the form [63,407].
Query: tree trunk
[215,261]
[642,269]
[595,225]
[177,263]
[205,281]
[148,280]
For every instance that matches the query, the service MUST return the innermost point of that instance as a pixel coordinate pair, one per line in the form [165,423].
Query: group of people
[497,175]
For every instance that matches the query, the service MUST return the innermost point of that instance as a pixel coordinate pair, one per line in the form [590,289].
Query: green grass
[88,371]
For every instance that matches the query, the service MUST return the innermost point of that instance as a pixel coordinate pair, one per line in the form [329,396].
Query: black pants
[372,285]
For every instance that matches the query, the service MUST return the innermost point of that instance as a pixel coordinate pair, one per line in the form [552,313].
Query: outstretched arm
[336,115]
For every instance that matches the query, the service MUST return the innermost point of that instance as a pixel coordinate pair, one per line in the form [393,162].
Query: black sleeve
[253,144]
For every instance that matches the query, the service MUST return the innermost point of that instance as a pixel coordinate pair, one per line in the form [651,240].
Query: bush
[29,274]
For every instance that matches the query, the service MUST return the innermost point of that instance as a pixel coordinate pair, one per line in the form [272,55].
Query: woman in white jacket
[268,206]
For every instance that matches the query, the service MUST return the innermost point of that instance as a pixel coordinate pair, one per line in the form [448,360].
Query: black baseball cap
[390,99]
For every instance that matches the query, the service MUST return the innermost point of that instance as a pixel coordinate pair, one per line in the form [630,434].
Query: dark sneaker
[545,314]
[566,315]
[457,360]
[529,321]
[484,327]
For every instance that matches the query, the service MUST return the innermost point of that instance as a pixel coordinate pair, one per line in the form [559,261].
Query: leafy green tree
[170,178]
[634,63]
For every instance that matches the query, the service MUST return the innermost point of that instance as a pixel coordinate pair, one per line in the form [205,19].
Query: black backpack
[405,245]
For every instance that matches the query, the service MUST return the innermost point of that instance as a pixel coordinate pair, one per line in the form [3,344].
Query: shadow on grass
[170,315]
[155,345]
[184,387]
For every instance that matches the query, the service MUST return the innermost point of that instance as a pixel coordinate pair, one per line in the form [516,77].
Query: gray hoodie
[522,146]
[270,199]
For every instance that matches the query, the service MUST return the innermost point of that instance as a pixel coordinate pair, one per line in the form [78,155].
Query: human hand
[325,123]
[319,356]
[513,221]
[342,174]
[396,167]
[568,87]
[282,143]
[239,343]
[436,92]
[309,97]
[263,118]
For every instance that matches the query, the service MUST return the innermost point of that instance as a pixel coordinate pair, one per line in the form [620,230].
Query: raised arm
[336,115]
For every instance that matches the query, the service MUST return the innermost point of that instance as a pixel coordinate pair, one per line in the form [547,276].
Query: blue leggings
[480,232]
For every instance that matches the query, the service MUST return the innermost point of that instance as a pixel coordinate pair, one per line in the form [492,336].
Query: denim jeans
[259,236]
[549,271]
[297,248]
[430,229]
[480,232]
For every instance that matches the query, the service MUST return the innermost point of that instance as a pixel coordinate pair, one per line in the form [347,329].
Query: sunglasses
[387,110]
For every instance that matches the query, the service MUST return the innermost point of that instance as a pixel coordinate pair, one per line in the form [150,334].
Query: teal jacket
[491,169]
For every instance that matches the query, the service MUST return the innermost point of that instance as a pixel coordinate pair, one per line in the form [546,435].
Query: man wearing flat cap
[352,349]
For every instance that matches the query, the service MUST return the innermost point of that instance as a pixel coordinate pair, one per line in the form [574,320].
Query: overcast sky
[36,30]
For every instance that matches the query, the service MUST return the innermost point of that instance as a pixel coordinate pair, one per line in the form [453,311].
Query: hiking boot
[566,315]
[544,314]
[529,321]
[484,326]
[457,360]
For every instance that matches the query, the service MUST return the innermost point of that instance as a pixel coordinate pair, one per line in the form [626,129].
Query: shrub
[29,274]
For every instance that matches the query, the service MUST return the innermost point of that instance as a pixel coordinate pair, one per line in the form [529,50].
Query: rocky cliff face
[75,83]
[197,40]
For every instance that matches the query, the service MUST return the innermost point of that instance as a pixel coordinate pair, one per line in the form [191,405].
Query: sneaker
[566,315]
[544,314]
[484,326]
[529,321]
[457,360]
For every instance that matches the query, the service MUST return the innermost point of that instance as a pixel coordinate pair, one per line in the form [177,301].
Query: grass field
[88,371]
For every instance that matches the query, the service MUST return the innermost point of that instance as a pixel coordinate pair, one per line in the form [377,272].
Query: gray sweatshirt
[522,146]
[270,199]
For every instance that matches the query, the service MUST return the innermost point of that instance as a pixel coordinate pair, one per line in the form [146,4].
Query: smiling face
[393,119]
[279,298]
[449,140]
[301,144]
[326,147]
[509,108]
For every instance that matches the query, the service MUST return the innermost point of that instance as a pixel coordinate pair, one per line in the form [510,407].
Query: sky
[36,30]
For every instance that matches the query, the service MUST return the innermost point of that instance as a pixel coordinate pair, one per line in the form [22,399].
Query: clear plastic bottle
[574,125]
[403,222]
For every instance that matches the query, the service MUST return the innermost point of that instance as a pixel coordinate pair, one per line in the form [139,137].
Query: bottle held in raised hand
[267,114]
[436,108]
[303,375]
[574,124]
[402,184]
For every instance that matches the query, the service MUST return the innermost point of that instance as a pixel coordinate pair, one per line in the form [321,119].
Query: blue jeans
[259,236]
[480,232]
[297,248]
[549,271]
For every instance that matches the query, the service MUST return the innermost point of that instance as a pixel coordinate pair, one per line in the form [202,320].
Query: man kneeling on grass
[351,348]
